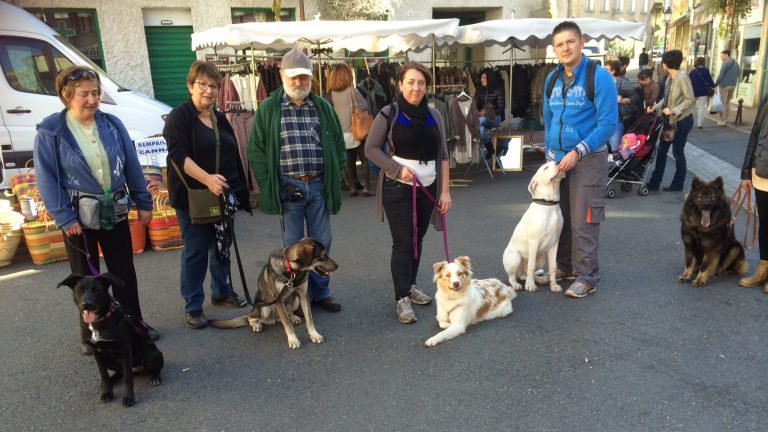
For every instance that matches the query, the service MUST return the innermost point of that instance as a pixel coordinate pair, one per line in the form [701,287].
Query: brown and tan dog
[283,288]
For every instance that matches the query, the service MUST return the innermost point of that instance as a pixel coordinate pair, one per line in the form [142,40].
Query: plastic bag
[716,104]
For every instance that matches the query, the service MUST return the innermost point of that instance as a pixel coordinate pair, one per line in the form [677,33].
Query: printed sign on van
[152,151]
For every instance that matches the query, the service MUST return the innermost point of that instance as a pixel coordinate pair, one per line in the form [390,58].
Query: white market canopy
[353,35]
[528,31]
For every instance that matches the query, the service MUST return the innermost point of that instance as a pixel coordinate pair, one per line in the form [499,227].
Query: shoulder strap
[551,83]
[590,79]
[215,125]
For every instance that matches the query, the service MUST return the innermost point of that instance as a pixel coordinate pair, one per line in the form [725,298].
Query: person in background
[489,100]
[677,106]
[703,88]
[191,138]
[342,95]
[642,60]
[754,174]
[84,155]
[650,87]
[297,152]
[623,89]
[576,135]
[726,81]
[624,60]
[413,147]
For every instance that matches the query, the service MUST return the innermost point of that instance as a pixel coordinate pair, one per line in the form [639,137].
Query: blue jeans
[683,128]
[485,137]
[198,256]
[310,208]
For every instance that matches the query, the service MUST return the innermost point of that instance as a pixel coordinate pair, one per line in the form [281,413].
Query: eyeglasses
[205,86]
[88,74]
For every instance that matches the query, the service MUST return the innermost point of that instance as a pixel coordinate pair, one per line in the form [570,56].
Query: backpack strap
[589,82]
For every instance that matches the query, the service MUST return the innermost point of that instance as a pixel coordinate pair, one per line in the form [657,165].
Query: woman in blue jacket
[703,87]
[88,173]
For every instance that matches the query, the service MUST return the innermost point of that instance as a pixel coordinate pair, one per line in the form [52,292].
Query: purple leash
[85,252]
[414,183]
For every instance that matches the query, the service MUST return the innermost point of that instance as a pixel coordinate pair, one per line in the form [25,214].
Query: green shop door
[170,55]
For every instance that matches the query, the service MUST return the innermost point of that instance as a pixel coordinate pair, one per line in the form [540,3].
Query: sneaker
[328,304]
[418,297]
[195,319]
[405,312]
[721,123]
[579,290]
[233,301]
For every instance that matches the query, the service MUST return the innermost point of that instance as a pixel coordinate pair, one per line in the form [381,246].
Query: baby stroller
[629,163]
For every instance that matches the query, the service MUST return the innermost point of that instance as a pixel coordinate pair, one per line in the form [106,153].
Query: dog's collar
[288,268]
[545,202]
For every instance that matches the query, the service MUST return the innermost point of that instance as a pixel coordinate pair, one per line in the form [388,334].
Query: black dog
[119,341]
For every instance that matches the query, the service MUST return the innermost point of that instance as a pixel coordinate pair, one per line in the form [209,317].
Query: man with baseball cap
[297,153]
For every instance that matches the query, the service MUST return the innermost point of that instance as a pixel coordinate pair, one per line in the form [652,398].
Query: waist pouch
[88,208]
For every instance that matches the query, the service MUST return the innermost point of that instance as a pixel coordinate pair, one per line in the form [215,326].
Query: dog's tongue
[705,218]
[89,316]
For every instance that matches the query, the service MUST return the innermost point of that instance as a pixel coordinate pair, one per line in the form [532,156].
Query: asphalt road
[643,353]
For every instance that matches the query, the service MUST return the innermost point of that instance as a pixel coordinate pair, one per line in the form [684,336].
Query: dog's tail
[240,321]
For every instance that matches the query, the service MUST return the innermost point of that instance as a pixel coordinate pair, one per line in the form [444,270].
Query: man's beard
[297,92]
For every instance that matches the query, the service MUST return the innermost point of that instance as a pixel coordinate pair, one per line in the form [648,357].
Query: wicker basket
[9,243]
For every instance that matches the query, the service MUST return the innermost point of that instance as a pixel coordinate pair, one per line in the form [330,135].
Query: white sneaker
[721,123]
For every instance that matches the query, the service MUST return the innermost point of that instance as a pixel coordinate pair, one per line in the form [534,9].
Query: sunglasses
[82,74]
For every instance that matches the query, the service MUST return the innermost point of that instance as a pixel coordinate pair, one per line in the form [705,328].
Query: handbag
[668,131]
[361,120]
[204,206]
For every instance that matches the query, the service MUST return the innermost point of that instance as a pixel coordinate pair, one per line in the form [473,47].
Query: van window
[31,65]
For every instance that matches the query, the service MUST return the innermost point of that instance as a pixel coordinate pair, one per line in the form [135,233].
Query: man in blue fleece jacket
[577,128]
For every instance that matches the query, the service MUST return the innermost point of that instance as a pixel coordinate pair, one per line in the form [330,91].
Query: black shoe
[195,319]
[233,301]
[86,350]
[672,189]
[327,304]
[151,332]
[652,188]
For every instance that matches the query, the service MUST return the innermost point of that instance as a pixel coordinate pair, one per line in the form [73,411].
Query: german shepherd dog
[119,341]
[283,287]
[710,243]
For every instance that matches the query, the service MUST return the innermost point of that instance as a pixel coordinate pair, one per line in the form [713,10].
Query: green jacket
[264,152]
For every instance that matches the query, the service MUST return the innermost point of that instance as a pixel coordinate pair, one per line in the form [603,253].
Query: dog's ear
[70,280]
[109,279]
[532,185]
[464,262]
[718,182]
[305,253]
[696,183]
[438,266]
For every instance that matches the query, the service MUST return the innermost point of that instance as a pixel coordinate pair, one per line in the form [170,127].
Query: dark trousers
[398,206]
[350,171]
[761,202]
[683,128]
[118,256]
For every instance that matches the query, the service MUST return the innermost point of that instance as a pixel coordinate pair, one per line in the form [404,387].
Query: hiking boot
[232,301]
[579,290]
[195,319]
[327,304]
[418,297]
[757,279]
[405,312]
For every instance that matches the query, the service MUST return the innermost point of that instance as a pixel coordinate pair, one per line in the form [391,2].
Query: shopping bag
[716,104]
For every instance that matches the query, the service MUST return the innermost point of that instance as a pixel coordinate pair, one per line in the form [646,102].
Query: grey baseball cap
[295,63]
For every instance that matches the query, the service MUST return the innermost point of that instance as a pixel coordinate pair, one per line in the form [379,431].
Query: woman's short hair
[200,68]
[700,61]
[340,78]
[673,59]
[645,73]
[417,66]
[68,80]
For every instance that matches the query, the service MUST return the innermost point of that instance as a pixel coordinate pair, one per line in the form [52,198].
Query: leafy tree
[732,12]
[345,10]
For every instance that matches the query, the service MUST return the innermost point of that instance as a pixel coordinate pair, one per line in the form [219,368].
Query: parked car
[31,55]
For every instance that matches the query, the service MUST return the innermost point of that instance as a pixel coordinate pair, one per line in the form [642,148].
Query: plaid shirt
[300,149]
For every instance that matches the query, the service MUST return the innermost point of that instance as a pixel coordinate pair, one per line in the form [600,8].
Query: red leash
[415,183]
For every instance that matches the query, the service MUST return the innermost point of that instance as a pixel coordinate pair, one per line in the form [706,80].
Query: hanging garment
[465,122]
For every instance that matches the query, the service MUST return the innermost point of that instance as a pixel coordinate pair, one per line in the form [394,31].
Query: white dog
[538,231]
[463,301]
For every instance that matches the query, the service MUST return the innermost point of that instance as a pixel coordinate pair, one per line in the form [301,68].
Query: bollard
[737,121]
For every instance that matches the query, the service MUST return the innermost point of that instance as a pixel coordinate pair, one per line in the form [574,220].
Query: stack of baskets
[10,232]
[164,230]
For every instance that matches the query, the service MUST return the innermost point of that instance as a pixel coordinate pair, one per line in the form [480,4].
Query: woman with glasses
[191,132]
[88,174]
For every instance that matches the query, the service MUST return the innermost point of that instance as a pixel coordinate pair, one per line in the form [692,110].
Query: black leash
[239,263]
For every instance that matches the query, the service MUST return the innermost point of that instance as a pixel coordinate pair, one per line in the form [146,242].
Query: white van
[31,55]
